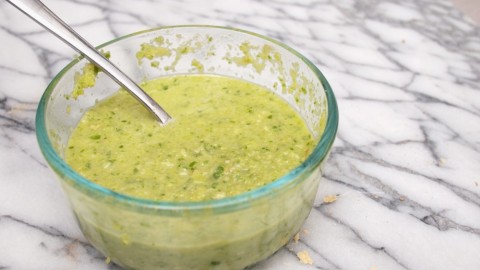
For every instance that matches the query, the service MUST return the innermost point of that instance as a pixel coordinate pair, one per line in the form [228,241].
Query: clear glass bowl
[229,233]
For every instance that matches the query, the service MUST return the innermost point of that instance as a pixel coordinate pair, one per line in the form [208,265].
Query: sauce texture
[228,136]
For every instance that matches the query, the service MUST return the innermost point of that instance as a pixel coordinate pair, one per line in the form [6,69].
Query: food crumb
[441,162]
[329,198]
[373,268]
[296,238]
[402,198]
[108,260]
[304,257]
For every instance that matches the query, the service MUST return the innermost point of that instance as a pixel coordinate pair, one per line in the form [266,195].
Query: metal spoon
[37,11]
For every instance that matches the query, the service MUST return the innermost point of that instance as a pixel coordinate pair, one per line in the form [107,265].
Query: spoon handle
[36,10]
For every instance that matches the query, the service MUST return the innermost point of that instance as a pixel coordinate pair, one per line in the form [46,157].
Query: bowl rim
[228,204]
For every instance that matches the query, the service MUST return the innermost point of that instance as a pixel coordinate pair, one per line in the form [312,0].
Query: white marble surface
[406,163]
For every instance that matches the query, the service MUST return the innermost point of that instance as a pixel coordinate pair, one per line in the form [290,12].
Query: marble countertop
[406,163]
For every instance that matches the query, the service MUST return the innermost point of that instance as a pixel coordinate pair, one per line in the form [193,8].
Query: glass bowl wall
[229,233]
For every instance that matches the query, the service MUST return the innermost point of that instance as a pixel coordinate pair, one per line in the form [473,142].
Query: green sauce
[228,136]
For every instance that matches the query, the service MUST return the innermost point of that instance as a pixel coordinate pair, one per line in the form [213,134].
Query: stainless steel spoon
[37,11]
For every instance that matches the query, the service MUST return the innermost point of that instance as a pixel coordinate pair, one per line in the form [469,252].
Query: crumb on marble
[373,268]
[296,238]
[329,198]
[402,198]
[298,235]
[441,162]
[71,249]
[304,257]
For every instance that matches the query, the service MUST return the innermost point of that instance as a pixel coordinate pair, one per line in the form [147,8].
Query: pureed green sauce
[228,136]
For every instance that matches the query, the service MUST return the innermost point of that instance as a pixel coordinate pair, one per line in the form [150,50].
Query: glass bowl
[228,233]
